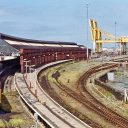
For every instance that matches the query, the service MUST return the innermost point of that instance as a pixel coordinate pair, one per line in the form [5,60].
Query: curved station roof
[21,43]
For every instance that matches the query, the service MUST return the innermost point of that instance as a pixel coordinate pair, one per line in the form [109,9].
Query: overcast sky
[61,20]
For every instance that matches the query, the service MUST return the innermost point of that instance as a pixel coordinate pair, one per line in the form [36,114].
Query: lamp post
[115,35]
[26,65]
[39,59]
[35,83]
[87,32]
[36,119]
[56,56]
[35,59]
[30,68]
[35,87]
[44,58]
[125,94]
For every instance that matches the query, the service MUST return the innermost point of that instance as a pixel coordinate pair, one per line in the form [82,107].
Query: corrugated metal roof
[6,48]
[21,43]
[18,39]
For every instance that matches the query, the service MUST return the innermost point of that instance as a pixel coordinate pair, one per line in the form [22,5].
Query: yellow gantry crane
[99,37]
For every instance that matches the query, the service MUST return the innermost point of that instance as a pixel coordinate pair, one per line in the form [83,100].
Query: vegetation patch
[15,115]
[16,122]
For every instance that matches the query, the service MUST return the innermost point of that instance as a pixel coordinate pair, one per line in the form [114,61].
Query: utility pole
[36,120]
[115,35]
[87,31]
[30,73]
[26,65]
[35,86]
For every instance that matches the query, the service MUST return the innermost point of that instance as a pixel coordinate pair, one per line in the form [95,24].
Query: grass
[73,72]
[16,122]
[12,123]
[16,116]
[105,92]
[118,73]
[116,105]
[2,124]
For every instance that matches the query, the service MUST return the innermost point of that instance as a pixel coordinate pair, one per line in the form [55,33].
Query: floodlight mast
[87,32]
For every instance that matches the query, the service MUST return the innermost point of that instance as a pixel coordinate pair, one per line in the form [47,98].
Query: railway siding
[110,115]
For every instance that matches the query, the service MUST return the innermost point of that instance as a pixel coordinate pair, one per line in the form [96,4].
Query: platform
[5,58]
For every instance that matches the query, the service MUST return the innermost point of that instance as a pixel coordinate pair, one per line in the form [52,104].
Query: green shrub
[2,124]
[16,122]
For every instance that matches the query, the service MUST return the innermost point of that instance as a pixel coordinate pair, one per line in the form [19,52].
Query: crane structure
[100,37]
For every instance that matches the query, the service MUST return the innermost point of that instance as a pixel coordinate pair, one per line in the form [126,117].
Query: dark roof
[6,48]
[5,36]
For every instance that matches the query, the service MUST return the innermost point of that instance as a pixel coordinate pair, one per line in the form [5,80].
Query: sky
[62,20]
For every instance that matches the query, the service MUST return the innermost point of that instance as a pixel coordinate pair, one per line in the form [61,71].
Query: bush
[16,122]
[2,124]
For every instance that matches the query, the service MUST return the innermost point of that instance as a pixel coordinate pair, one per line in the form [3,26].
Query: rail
[39,113]
[50,123]
[97,106]
[56,102]
[91,102]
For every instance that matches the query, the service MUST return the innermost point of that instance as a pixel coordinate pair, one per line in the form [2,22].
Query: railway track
[92,103]
[6,77]
[8,83]
[99,108]
[50,112]
[69,92]
[45,82]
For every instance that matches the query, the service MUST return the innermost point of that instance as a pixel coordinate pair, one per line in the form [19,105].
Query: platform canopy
[6,49]
[21,43]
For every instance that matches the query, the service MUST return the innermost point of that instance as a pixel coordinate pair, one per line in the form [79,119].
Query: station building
[38,52]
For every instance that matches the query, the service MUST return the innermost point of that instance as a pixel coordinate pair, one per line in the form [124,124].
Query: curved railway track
[69,92]
[91,102]
[97,106]
[8,83]
[6,76]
